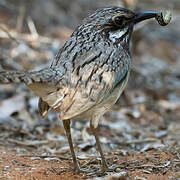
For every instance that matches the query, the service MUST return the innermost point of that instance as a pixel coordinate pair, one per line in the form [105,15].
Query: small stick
[151,166]
[32,27]
[8,34]
[46,156]
[20,18]
[148,140]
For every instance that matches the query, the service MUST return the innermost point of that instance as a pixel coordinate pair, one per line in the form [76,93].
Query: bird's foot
[78,170]
[99,172]
[106,168]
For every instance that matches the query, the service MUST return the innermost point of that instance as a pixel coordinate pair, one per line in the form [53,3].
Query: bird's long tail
[27,77]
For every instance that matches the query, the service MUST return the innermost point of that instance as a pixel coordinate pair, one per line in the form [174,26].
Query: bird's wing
[89,82]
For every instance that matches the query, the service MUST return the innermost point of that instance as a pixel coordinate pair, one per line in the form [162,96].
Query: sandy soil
[17,167]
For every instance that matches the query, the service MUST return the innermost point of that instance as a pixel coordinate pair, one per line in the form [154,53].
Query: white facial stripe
[113,36]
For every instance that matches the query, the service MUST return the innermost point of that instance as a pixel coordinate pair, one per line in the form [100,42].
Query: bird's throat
[118,35]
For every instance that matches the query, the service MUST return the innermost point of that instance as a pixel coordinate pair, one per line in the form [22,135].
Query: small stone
[119,176]
[177,175]
[118,170]
[35,158]
[139,178]
[17,169]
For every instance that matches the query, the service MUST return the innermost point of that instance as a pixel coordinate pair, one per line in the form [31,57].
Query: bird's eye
[117,20]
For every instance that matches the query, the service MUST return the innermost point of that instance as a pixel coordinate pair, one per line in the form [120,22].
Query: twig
[20,164]
[148,140]
[20,18]
[151,166]
[32,28]
[27,37]
[8,34]
[46,156]
[28,143]
[57,172]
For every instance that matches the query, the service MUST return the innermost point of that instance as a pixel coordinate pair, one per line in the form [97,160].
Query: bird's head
[115,23]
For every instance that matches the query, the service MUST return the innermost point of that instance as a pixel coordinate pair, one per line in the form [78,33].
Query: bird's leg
[66,124]
[104,164]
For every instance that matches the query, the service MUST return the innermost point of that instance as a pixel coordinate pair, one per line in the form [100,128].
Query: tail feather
[27,77]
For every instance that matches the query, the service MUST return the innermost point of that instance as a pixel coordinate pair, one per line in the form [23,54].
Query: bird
[89,73]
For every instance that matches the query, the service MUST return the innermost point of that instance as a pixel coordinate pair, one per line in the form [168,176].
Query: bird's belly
[105,105]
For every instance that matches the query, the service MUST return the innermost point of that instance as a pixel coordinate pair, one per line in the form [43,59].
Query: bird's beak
[141,16]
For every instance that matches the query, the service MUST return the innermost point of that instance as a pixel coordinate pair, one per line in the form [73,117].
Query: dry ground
[152,165]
